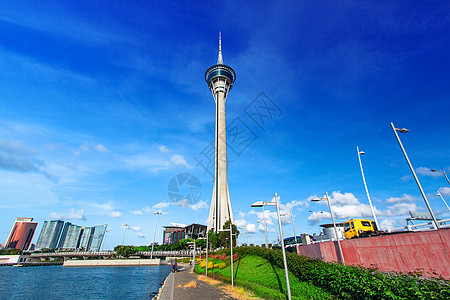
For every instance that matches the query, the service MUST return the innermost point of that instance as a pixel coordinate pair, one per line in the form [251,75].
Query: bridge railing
[109,253]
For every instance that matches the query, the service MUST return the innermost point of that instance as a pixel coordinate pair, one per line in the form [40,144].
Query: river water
[56,282]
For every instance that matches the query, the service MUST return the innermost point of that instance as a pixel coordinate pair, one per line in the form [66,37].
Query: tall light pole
[443,172]
[365,185]
[334,224]
[231,251]
[404,130]
[207,246]
[293,227]
[125,228]
[317,217]
[157,213]
[265,226]
[246,234]
[277,204]
[440,195]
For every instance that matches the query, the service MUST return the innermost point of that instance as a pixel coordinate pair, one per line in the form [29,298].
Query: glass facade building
[50,233]
[86,238]
[62,239]
[97,238]
[73,237]
[21,234]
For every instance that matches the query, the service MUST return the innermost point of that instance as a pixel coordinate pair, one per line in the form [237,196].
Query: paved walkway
[184,285]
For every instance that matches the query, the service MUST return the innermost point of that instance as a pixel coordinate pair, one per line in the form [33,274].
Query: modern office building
[167,234]
[97,238]
[21,234]
[220,79]
[50,234]
[73,237]
[174,234]
[86,238]
[195,231]
[63,236]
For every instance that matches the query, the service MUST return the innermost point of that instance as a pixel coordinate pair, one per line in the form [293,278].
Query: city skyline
[102,106]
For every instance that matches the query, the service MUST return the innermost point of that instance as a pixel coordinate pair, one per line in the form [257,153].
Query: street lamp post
[443,172]
[365,185]
[207,246]
[265,227]
[231,251]
[404,130]
[334,224]
[317,217]
[293,227]
[440,195]
[157,213]
[277,204]
[125,228]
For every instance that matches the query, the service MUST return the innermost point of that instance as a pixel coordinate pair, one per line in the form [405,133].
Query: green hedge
[349,282]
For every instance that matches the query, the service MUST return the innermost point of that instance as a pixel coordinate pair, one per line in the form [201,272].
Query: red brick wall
[404,252]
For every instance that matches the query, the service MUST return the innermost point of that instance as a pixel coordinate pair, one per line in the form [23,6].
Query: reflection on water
[56,282]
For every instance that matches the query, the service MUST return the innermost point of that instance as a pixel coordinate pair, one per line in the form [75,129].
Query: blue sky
[102,104]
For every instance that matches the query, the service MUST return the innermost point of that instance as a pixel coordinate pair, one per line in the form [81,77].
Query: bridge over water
[105,255]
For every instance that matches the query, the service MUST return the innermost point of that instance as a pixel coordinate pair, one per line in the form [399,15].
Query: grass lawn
[267,280]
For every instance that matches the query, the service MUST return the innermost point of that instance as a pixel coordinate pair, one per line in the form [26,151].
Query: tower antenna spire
[220,59]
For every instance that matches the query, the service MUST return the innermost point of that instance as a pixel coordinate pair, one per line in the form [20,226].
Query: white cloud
[72,215]
[445,191]
[251,228]
[240,223]
[295,203]
[148,209]
[403,198]
[346,198]
[312,219]
[427,172]
[199,205]
[398,209]
[102,206]
[163,149]
[186,203]
[161,205]
[387,224]
[115,214]
[178,224]
[179,160]
[153,162]
[261,228]
[137,228]
[101,148]
[406,178]
[140,235]
[15,156]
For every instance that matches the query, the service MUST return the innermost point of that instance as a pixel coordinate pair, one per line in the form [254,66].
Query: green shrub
[349,282]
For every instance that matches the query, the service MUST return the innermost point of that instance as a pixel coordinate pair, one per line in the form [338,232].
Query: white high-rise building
[220,79]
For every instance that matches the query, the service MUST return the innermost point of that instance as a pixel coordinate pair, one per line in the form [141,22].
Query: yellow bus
[359,228]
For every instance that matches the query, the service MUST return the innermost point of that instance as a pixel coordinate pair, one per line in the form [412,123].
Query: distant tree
[200,243]
[12,251]
[184,244]
[125,251]
[224,236]
[213,239]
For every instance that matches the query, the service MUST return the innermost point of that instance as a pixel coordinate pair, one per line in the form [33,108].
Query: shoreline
[113,263]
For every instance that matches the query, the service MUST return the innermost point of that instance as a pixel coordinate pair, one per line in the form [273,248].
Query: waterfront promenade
[187,285]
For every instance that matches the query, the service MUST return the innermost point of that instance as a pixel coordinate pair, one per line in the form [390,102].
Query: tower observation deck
[220,79]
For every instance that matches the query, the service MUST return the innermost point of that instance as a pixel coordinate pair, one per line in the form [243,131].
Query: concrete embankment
[111,263]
